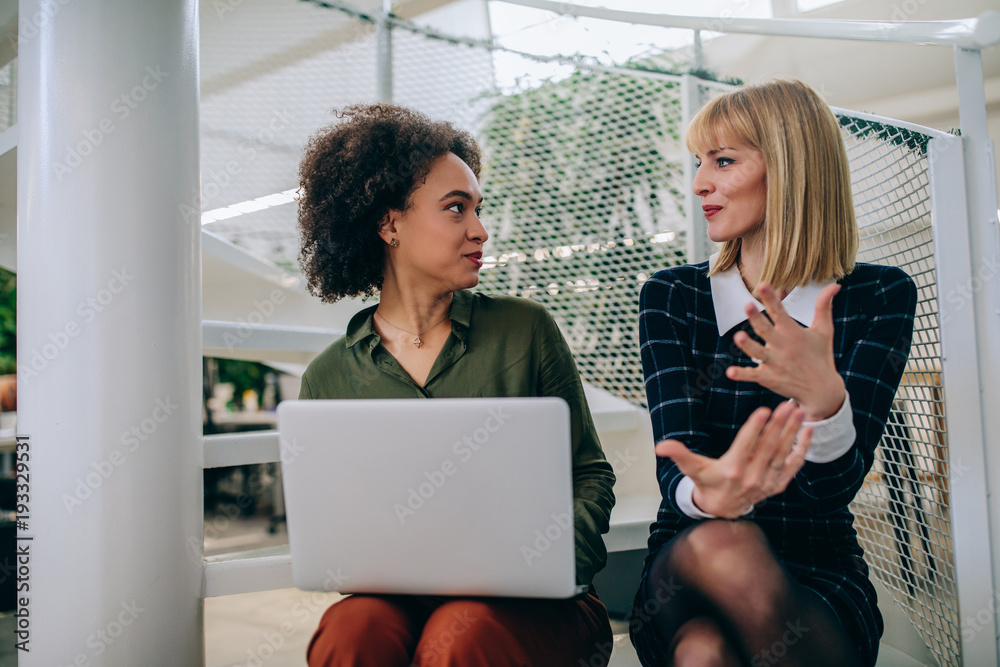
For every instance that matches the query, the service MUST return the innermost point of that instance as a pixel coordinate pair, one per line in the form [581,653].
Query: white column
[109,336]
[983,293]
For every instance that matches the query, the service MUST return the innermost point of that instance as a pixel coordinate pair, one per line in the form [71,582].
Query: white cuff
[685,500]
[834,436]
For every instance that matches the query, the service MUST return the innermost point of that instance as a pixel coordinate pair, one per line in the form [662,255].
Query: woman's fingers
[795,460]
[743,341]
[771,446]
[772,303]
[790,432]
[759,321]
[688,462]
[823,315]
[760,463]
[745,443]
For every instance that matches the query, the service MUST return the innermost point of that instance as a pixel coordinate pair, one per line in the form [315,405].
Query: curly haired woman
[390,204]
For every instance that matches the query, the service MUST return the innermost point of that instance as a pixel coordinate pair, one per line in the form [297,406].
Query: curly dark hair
[353,173]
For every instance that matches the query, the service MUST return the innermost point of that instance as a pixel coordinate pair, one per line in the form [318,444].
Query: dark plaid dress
[690,399]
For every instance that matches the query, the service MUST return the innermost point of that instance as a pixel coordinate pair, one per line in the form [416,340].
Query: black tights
[726,600]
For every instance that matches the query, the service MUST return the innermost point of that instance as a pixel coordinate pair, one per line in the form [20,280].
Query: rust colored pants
[423,631]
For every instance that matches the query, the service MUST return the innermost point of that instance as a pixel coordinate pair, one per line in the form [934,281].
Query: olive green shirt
[499,346]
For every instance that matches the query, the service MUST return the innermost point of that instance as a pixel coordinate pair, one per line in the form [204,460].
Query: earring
[393,243]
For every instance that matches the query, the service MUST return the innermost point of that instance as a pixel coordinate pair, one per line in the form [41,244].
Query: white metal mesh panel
[446,80]
[271,74]
[903,513]
[584,200]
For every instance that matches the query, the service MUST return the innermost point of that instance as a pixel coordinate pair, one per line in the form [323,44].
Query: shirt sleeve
[304,391]
[834,436]
[593,477]
[674,391]
[872,366]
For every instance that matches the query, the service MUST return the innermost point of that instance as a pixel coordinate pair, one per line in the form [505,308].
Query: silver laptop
[464,496]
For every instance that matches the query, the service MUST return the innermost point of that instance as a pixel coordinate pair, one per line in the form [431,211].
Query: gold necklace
[416,336]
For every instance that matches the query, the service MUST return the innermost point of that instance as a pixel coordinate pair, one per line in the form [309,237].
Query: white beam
[977,33]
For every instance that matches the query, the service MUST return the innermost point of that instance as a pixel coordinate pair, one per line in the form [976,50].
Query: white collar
[730,295]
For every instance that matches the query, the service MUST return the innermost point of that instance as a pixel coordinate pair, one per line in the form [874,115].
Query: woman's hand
[760,463]
[795,361]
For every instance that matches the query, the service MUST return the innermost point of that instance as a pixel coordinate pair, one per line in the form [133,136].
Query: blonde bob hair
[810,233]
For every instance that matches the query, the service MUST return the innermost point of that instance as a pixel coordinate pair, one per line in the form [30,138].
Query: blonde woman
[770,371]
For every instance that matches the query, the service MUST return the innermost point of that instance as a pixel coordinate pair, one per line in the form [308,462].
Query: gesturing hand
[760,463]
[795,361]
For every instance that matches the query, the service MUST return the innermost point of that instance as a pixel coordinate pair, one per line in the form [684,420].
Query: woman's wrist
[700,509]
[826,402]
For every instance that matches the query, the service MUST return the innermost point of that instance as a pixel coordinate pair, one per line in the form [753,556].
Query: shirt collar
[730,295]
[362,325]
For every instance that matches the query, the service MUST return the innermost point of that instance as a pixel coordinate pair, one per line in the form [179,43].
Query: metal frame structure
[71,238]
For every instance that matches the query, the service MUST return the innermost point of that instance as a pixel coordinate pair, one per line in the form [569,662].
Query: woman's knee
[353,626]
[701,643]
[720,549]
[460,632]
[708,538]
[731,559]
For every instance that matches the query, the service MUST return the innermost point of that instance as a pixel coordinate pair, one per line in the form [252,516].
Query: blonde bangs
[716,125]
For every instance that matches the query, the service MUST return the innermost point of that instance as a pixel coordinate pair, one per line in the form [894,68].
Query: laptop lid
[465,496]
